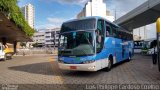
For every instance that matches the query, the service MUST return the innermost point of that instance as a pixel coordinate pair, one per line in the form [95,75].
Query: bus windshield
[79,43]
[86,24]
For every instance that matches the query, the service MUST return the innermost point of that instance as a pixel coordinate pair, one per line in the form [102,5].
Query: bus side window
[108,30]
[114,32]
[100,35]
[119,34]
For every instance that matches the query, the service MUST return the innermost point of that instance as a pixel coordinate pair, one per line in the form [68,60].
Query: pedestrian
[154,53]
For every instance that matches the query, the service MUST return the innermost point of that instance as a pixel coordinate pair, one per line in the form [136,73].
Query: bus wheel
[109,64]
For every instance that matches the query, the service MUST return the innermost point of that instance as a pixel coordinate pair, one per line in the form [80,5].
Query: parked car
[6,52]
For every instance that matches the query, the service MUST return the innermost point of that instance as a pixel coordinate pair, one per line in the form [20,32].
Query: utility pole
[91,7]
[115,12]
[145,36]
[139,33]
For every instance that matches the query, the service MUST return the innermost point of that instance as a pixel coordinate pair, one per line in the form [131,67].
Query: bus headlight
[87,62]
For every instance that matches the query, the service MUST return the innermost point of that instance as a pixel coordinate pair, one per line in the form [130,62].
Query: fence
[33,51]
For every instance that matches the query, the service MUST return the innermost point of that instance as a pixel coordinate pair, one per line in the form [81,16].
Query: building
[47,37]
[52,37]
[28,11]
[39,38]
[137,38]
[95,8]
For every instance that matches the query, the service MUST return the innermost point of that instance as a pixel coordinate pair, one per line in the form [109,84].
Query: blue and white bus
[93,43]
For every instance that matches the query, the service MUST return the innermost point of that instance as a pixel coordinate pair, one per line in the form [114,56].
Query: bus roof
[96,18]
[93,17]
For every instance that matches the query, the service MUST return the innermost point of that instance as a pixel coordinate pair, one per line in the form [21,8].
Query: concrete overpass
[9,32]
[145,14]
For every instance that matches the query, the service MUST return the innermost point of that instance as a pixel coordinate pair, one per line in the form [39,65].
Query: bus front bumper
[95,66]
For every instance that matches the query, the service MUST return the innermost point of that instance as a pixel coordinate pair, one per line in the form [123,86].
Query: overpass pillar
[158,44]
[4,41]
[15,47]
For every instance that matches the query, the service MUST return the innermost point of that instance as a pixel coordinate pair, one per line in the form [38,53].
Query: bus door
[119,46]
[100,37]
[125,46]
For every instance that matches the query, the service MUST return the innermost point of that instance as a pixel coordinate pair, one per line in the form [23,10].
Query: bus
[93,43]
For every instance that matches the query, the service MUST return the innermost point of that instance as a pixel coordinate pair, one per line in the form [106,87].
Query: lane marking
[58,77]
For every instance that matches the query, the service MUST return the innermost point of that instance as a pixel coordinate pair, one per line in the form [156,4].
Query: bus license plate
[73,67]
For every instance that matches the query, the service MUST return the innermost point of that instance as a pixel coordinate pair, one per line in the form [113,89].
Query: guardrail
[36,51]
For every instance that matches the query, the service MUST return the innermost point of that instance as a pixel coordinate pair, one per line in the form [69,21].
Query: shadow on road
[51,68]
[36,68]
[82,73]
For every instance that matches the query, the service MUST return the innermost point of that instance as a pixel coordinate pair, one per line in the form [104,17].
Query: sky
[52,13]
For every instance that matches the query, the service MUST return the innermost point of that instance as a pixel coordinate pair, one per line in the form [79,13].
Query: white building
[29,12]
[47,37]
[39,37]
[95,8]
[52,37]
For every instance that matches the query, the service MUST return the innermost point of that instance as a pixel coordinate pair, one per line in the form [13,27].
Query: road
[42,72]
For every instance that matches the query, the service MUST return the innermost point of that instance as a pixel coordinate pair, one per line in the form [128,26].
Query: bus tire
[110,63]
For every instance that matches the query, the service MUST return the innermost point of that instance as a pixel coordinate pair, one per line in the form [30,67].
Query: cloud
[122,6]
[52,22]
[47,26]
[70,2]
[56,20]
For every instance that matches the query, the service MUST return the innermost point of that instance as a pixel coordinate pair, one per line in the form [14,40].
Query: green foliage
[15,15]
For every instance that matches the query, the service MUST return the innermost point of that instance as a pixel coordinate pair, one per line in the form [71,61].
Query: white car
[2,53]
[151,51]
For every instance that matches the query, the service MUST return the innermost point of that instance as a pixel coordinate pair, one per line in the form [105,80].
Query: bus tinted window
[79,25]
[108,29]
[123,34]
[114,31]
[100,35]
[100,25]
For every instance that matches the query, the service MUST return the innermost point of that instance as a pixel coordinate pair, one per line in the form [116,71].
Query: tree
[14,13]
